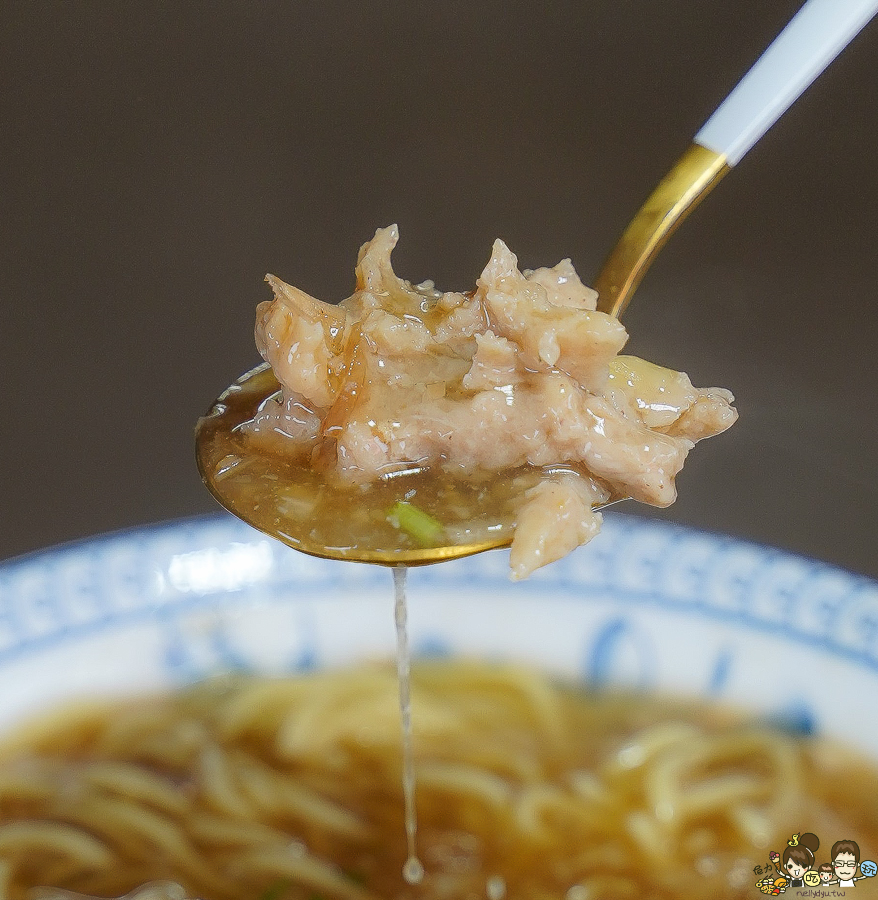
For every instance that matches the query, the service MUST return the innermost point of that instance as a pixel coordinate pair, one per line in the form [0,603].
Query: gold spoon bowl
[379,523]
[288,500]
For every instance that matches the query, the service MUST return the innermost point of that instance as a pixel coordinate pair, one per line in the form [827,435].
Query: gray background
[158,159]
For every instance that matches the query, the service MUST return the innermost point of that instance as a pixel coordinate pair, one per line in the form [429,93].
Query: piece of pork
[521,372]
[288,424]
[556,517]
[301,338]
[563,287]
[578,341]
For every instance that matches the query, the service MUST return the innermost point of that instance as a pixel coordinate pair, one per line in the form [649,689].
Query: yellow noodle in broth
[249,788]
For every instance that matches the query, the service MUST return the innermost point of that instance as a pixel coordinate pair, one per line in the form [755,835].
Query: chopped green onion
[421,526]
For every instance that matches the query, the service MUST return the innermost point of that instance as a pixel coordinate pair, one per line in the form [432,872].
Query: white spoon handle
[818,32]
[813,38]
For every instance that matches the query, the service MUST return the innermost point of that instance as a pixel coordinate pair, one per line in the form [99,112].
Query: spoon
[812,39]
[283,503]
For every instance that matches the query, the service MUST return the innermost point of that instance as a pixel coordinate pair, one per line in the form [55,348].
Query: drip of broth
[413,869]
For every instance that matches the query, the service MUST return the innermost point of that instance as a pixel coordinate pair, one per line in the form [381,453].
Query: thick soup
[258,789]
[405,417]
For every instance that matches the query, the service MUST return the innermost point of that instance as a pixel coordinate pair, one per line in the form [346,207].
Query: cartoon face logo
[845,865]
[796,870]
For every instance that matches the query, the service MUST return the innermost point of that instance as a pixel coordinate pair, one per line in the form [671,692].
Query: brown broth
[526,790]
[285,497]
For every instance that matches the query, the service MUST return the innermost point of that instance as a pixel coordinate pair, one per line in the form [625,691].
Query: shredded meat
[523,371]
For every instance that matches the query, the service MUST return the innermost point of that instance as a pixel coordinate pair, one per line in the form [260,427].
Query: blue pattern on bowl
[647,604]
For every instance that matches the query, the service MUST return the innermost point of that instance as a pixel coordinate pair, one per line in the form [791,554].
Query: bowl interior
[646,605]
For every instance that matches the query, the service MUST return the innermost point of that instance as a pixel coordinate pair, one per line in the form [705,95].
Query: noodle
[251,788]
[19,839]
[133,782]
